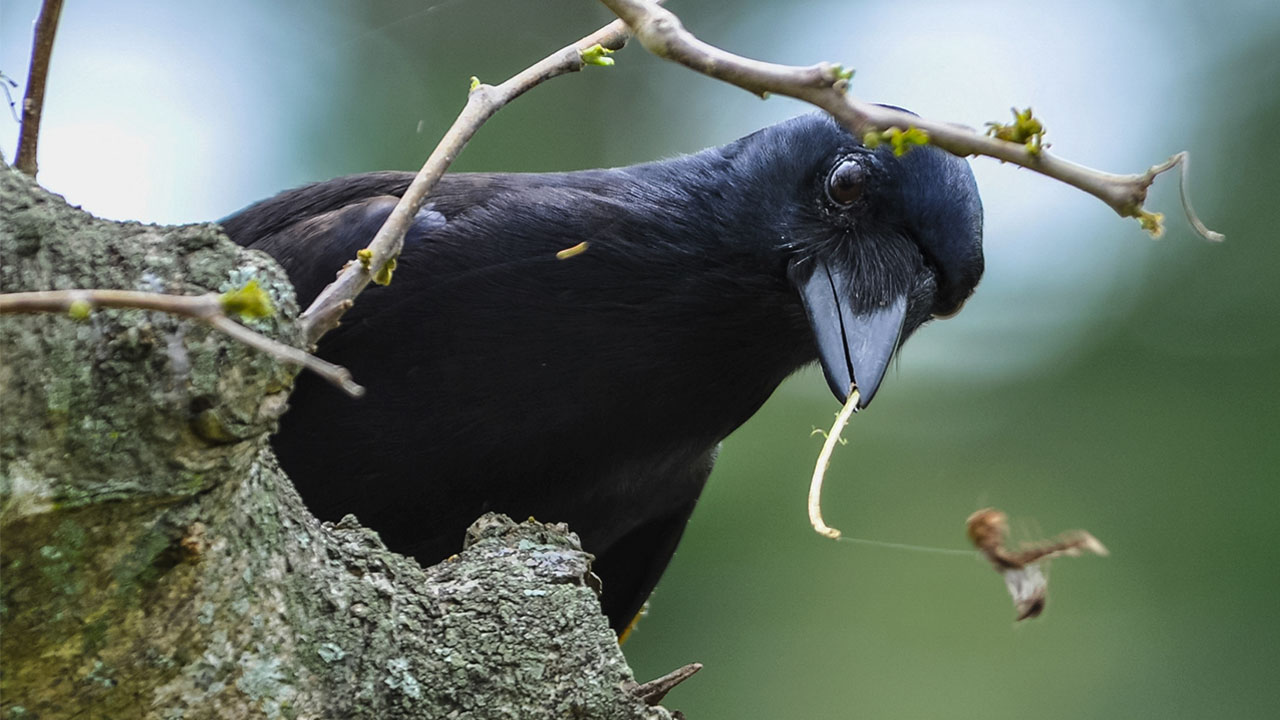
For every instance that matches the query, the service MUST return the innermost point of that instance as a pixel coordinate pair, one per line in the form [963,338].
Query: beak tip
[840,386]
[854,347]
[865,395]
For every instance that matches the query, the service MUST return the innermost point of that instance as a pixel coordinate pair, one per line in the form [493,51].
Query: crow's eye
[844,184]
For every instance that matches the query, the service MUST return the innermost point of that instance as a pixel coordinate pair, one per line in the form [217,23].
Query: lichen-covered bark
[155,562]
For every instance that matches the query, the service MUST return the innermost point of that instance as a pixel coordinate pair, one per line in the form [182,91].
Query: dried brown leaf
[1022,569]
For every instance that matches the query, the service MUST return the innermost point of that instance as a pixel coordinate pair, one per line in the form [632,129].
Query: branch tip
[655,690]
[1182,161]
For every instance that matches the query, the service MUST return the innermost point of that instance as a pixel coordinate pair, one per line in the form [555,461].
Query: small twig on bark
[825,86]
[654,691]
[482,102]
[33,102]
[211,308]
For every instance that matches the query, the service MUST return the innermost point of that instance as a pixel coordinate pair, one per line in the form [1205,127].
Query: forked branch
[482,102]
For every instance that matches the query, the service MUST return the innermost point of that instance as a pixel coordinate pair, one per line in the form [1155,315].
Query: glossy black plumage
[595,389]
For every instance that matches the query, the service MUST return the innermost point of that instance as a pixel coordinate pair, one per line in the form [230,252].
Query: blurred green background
[1098,379]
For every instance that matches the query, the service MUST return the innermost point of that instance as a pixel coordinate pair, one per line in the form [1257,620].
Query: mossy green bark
[155,562]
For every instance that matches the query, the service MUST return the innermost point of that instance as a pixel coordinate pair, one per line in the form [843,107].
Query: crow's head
[874,244]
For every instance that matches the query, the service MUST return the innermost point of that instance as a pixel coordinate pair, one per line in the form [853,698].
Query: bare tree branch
[158,564]
[482,102]
[825,86]
[33,103]
[211,308]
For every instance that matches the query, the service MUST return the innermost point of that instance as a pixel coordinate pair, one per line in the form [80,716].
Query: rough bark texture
[157,564]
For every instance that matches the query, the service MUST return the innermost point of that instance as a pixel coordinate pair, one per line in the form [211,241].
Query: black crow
[596,389]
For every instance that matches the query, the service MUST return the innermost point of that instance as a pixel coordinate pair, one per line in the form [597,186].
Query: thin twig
[208,308]
[825,86]
[482,102]
[33,102]
[820,468]
[1183,161]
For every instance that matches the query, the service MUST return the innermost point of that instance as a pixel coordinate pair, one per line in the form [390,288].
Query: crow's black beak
[854,346]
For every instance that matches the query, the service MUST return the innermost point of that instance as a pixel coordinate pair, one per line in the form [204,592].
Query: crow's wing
[631,567]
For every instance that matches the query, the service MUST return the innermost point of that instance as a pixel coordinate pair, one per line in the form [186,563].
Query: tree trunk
[157,564]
